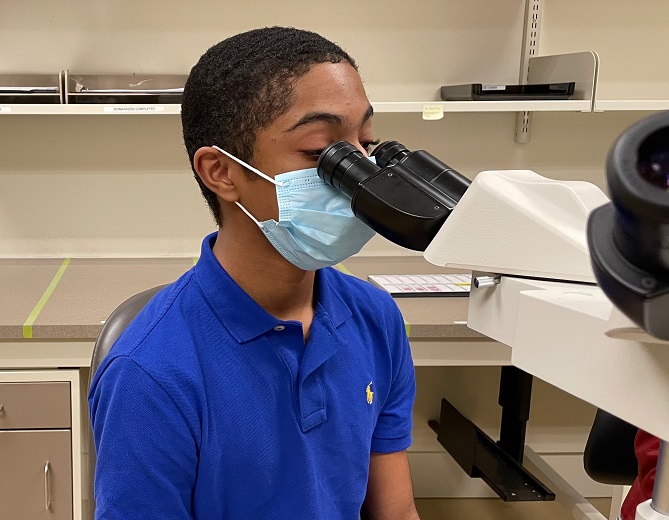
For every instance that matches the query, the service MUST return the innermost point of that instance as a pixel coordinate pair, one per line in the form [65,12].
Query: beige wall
[120,185]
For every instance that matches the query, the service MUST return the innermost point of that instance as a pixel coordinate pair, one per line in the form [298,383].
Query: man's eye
[312,154]
[315,154]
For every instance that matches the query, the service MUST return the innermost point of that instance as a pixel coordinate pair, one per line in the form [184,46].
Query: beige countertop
[90,289]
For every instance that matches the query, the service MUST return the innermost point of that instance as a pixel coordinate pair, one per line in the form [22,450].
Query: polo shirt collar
[329,297]
[244,319]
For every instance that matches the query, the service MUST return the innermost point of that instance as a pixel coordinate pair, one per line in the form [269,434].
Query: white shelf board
[571,105]
[89,109]
[578,105]
[602,105]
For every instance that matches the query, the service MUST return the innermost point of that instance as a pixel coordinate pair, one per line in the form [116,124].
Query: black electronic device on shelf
[480,92]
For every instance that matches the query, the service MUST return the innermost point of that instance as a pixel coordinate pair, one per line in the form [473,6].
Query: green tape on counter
[28,324]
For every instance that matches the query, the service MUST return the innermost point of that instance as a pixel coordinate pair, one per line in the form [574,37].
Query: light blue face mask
[316,226]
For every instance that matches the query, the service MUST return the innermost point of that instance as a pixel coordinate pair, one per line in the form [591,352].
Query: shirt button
[279,328]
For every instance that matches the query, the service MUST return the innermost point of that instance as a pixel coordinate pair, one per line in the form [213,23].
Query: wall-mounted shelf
[603,105]
[578,105]
[417,107]
[89,109]
[581,67]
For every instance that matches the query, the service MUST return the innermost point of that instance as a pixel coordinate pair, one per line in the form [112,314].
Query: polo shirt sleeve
[393,427]
[146,453]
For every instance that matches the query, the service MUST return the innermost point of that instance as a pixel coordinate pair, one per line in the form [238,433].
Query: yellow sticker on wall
[433,112]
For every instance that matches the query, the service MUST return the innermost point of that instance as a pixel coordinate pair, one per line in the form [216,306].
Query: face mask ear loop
[248,166]
[248,214]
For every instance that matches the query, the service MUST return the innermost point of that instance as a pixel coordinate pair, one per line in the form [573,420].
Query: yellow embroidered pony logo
[370,394]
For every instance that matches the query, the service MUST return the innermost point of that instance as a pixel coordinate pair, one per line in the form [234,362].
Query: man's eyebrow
[314,117]
[327,117]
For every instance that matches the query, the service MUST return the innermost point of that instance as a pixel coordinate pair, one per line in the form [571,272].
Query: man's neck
[283,290]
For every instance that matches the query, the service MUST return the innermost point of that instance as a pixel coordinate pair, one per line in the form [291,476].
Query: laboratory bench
[54,309]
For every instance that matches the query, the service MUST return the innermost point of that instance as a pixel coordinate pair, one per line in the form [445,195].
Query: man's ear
[217,172]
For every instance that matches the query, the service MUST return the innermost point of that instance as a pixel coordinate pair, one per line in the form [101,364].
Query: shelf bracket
[530,48]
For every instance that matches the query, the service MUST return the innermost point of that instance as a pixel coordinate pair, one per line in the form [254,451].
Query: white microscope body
[524,238]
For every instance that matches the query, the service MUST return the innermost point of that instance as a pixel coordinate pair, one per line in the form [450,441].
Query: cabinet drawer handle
[47,486]
[2,408]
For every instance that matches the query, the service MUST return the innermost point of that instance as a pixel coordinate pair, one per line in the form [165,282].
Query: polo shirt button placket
[279,328]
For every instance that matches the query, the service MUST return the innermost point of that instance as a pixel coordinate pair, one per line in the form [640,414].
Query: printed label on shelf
[433,112]
[135,108]
[493,87]
[5,110]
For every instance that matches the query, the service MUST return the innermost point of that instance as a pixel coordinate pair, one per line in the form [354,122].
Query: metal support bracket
[531,31]
[499,464]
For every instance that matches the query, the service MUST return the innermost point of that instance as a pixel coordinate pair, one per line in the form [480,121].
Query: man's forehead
[329,93]
[328,83]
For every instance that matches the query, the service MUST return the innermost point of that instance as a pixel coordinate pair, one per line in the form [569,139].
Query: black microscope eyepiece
[344,167]
[629,239]
[389,153]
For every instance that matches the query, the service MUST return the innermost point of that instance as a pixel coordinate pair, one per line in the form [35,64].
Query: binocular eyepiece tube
[405,197]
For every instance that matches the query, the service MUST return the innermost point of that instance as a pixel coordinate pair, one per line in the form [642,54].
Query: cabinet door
[35,475]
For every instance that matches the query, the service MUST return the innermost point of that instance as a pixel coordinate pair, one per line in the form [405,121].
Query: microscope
[576,284]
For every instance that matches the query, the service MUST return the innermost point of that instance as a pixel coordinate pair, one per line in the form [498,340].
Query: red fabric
[646,448]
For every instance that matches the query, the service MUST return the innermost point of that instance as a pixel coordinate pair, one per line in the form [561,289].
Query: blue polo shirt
[210,408]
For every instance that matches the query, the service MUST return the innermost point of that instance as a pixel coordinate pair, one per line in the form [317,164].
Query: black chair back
[609,453]
[117,322]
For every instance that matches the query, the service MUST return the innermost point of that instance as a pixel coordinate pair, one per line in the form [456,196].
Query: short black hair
[242,84]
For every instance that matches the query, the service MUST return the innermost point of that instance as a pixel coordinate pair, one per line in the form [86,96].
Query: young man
[262,385]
